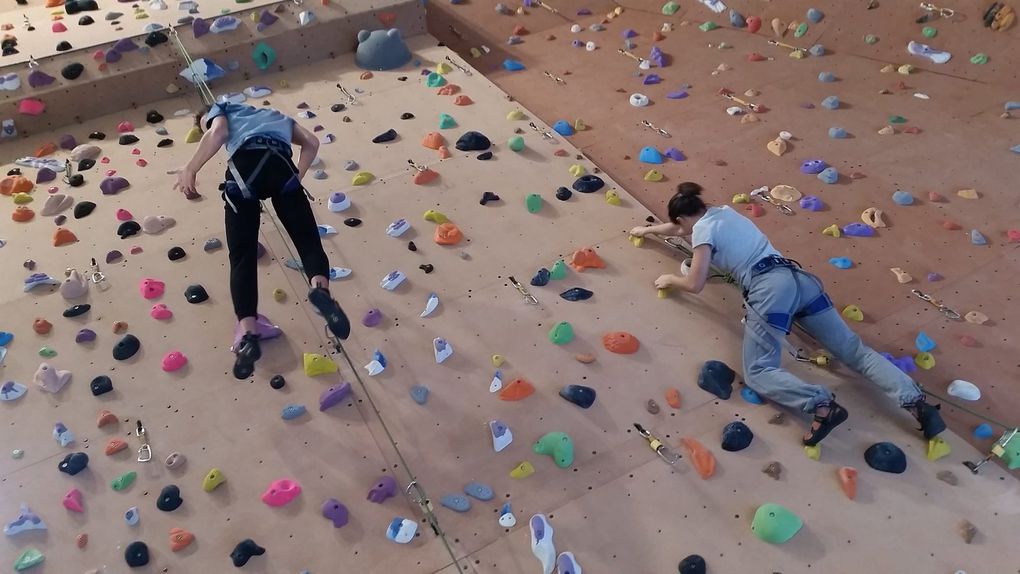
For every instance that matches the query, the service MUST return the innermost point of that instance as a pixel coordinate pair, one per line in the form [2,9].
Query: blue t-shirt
[737,243]
[246,121]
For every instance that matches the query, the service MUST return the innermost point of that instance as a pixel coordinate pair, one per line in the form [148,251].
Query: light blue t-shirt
[737,243]
[246,121]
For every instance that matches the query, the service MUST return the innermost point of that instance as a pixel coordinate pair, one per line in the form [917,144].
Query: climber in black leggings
[259,167]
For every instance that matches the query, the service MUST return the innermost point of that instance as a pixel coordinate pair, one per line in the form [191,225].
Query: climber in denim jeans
[778,292]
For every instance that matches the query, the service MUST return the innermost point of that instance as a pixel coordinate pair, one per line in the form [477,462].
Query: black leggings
[242,226]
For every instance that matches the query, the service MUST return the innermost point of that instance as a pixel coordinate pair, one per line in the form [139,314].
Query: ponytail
[686,202]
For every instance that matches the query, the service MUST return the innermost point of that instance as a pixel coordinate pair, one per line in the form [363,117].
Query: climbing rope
[199,81]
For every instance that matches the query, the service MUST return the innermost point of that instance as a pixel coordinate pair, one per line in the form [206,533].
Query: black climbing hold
[736,436]
[128,139]
[72,71]
[136,554]
[402,79]
[128,228]
[352,222]
[97,136]
[86,164]
[541,279]
[411,246]
[101,385]
[73,463]
[484,156]
[277,382]
[169,498]
[387,136]
[886,457]
[15,171]
[77,310]
[60,219]
[76,180]
[337,108]
[580,395]
[427,268]
[487,197]
[563,194]
[693,564]
[153,117]
[176,253]
[651,219]
[473,141]
[588,184]
[717,378]
[165,142]
[576,294]
[63,46]
[244,550]
[196,294]
[407,116]
[86,20]
[83,209]
[156,38]
[72,7]
[126,347]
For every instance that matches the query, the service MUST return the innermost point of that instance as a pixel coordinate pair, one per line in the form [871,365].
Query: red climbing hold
[756,209]
[620,342]
[756,57]
[462,100]
[387,18]
[968,341]
[519,30]
[936,197]
[448,90]
[951,225]
[848,480]
[561,153]
[1013,235]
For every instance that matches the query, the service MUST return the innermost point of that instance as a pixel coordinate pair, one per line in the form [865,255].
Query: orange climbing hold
[561,153]
[432,140]
[519,30]
[119,327]
[22,213]
[448,234]
[425,176]
[449,90]
[54,3]
[518,389]
[586,259]
[657,36]
[105,418]
[63,237]
[620,342]
[951,225]
[700,457]
[42,326]
[387,18]
[46,149]
[15,184]
[367,75]
[673,398]
[444,152]
[114,446]
[462,100]
[180,539]
[848,480]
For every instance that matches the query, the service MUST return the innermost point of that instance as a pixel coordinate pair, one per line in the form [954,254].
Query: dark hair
[686,202]
[201,114]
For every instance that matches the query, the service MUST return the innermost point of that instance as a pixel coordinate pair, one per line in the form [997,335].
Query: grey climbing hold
[420,394]
[212,245]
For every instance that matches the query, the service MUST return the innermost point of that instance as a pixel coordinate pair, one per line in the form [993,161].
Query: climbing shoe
[247,352]
[330,310]
[929,417]
[823,424]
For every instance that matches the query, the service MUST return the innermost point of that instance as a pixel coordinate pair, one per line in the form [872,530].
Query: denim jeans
[789,292]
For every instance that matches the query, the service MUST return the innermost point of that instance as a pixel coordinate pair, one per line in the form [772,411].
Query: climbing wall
[617,506]
[962,141]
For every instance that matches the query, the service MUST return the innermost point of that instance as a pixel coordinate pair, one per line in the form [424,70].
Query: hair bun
[689,189]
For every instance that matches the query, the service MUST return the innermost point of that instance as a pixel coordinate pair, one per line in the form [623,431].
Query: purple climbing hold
[335,511]
[811,203]
[651,79]
[629,33]
[67,142]
[675,154]
[113,185]
[114,256]
[577,43]
[85,336]
[266,19]
[125,45]
[677,95]
[200,27]
[932,277]
[859,230]
[385,488]
[39,79]
[45,175]
[657,57]
[905,364]
[334,395]
[372,318]
[813,166]
[584,12]
[112,56]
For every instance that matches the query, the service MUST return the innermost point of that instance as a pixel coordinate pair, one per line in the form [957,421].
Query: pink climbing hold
[968,341]
[161,312]
[31,107]
[281,492]
[173,361]
[72,501]
[125,127]
[1013,235]
[936,197]
[152,288]
[124,215]
[59,27]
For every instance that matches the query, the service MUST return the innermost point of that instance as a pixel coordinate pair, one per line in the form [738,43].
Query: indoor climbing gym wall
[515,395]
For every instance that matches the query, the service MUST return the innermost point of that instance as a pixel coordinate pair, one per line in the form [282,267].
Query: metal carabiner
[466,71]
[662,449]
[949,313]
[351,98]
[144,451]
[545,134]
[937,10]
[416,166]
[528,297]
[555,78]
[657,130]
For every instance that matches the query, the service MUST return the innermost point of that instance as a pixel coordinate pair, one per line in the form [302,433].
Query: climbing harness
[657,130]
[790,47]
[762,193]
[545,135]
[528,297]
[949,313]
[555,78]
[662,449]
[144,451]
[464,69]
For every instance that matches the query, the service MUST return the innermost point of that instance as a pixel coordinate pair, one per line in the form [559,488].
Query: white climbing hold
[431,305]
[497,382]
[305,18]
[443,349]
[393,280]
[377,365]
[506,516]
[590,46]
[401,530]
[542,542]
[326,230]
[501,435]
[964,390]
[638,100]
[336,273]
[257,91]
[926,51]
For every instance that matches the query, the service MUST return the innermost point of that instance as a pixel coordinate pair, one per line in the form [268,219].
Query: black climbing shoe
[929,417]
[836,416]
[248,352]
[330,310]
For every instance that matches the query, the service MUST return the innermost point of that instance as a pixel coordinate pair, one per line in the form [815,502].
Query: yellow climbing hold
[612,197]
[905,69]
[853,313]
[523,470]
[662,293]
[443,68]
[579,125]
[813,452]
[886,131]
[212,479]
[284,84]
[194,135]
[362,178]
[577,170]
[498,360]
[316,364]
[798,54]
[435,217]
[968,194]
[22,198]
[637,241]
[515,115]
[832,231]
[279,295]
[653,175]
[924,360]
[937,448]
[741,198]
[476,53]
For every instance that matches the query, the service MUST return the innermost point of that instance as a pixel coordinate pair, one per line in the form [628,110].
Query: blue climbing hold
[750,396]
[650,155]
[480,491]
[983,431]
[512,65]
[815,15]
[293,411]
[924,343]
[420,394]
[826,77]
[5,338]
[841,262]
[563,128]
[1012,106]
[576,294]
[817,50]
[829,175]
[737,19]
[830,103]
[1015,149]
[651,80]
[580,395]
[813,166]
[541,278]
[858,230]
[381,50]
[903,198]
[456,502]
[977,238]
[837,133]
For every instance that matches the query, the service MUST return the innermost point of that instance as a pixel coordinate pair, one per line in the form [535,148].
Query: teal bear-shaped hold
[559,446]
[381,50]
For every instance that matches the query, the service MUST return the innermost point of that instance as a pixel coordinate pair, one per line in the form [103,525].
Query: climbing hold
[574,293]
[456,502]
[773,470]
[976,317]
[650,155]
[901,276]
[292,411]
[561,333]
[748,394]
[964,390]
[73,463]
[701,458]
[517,390]
[246,548]
[923,342]
[838,133]
[316,364]
[736,436]
[580,395]
[639,100]
[777,147]
[12,391]
[180,539]
[448,234]
[717,378]
[853,313]
[281,492]
[442,349]
[983,431]
[174,361]
[586,258]
[26,520]
[334,395]
[977,238]
[848,481]
[830,103]
[558,270]
[49,379]
[559,446]
[903,198]
[813,452]
[886,457]
[829,175]
[775,524]
[515,143]
[169,498]
[101,385]
[937,448]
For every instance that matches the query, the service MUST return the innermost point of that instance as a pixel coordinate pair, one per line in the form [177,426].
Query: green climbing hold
[446,122]
[979,58]
[533,202]
[242,1]
[670,8]
[929,32]
[29,558]
[263,55]
[123,481]
[774,523]
[515,143]
[870,39]
[897,120]
[708,26]
[559,270]
[435,80]
[47,352]
[559,446]
[801,30]
[561,334]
